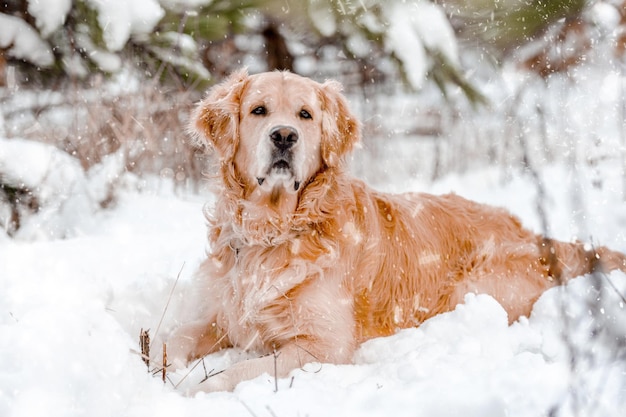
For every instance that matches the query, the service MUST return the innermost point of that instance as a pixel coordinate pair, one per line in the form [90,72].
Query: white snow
[49,14]
[434,29]
[409,30]
[119,19]
[105,60]
[404,42]
[184,4]
[415,28]
[71,311]
[183,52]
[23,42]
[606,15]
[322,17]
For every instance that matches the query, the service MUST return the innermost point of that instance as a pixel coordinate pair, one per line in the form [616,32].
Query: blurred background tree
[161,54]
[191,42]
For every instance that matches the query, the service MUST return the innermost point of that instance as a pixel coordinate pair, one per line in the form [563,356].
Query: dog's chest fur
[257,296]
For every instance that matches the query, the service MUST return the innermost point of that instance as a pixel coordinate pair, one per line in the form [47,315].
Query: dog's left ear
[340,128]
[215,120]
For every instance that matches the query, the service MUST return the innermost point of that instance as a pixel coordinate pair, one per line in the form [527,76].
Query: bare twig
[207,375]
[165,365]
[276,355]
[169,298]
[144,345]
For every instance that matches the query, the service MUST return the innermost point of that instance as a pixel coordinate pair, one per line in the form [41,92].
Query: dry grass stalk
[144,345]
[276,354]
[169,299]
[165,364]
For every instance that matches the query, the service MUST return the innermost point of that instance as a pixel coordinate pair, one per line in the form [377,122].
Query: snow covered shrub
[44,192]
[15,202]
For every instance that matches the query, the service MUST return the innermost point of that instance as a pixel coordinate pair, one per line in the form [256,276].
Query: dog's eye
[259,110]
[305,114]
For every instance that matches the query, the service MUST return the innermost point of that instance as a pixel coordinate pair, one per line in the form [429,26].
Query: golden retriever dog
[306,262]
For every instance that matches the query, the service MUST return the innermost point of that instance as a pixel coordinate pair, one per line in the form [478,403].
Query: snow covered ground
[71,311]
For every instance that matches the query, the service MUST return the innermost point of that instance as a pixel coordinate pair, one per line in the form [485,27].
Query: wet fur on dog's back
[310,262]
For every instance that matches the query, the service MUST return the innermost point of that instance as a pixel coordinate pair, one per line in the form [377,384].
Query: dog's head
[276,130]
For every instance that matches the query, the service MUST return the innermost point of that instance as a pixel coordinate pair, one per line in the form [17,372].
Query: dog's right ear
[215,120]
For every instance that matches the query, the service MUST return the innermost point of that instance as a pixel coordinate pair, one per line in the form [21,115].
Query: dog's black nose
[283,137]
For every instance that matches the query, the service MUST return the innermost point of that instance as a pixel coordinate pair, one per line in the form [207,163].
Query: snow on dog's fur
[307,261]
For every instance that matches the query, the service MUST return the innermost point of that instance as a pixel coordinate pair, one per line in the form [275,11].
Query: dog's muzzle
[283,139]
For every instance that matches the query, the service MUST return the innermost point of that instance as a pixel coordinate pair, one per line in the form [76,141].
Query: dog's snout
[283,137]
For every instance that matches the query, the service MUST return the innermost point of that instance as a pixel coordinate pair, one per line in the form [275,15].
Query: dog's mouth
[281,165]
[280,170]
